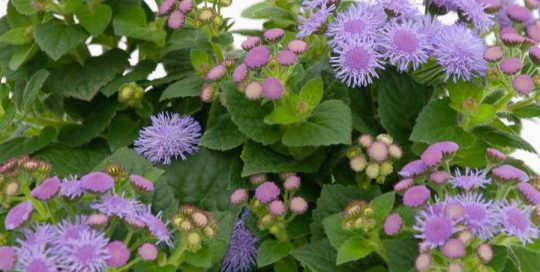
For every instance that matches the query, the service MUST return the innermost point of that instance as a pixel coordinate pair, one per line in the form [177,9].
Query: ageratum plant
[369,135]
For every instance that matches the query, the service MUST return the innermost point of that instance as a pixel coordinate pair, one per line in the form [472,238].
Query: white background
[531,128]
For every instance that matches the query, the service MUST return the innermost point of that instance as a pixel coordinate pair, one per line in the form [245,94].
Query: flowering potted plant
[368,135]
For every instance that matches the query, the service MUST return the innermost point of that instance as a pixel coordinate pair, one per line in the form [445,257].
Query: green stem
[127,266]
[520,104]
[377,245]
[178,255]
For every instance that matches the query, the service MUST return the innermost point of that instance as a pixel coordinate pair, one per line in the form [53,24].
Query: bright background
[531,128]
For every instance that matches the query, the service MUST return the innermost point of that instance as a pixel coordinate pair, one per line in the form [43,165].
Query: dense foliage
[368,135]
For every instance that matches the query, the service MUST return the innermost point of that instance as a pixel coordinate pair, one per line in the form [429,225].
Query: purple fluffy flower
[413,169]
[97,182]
[119,206]
[88,252]
[401,8]
[272,88]
[240,73]
[257,57]
[511,65]
[267,192]
[286,58]
[474,12]
[168,137]
[157,228]
[313,4]
[516,222]
[18,215]
[315,22]
[518,13]
[470,180]
[460,52]
[404,44]
[355,62]
[71,229]
[479,215]
[360,21]
[37,236]
[509,173]
[147,252]
[523,84]
[242,251]
[141,183]
[47,189]
[453,248]
[434,226]
[274,34]
[36,260]
[71,188]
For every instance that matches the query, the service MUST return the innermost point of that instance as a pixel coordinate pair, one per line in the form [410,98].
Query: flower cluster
[182,11]
[194,224]
[72,240]
[213,76]
[170,136]
[267,67]
[367,35]
[515,55]
[273,208]
[460,214]
[16,176]
[374,156]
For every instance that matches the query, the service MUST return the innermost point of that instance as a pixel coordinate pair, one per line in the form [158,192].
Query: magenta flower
[392,224]
[297,46]
[439,177]
[257,57]
[298,205]
[528,192]
[18,215]
[272,88]
[495,155]
[413,169]
[286,58]
[378,151]
[517,13]
[8,258]
[403,185]
[118,254]
[267,192]
[416,196]
[240,73]
[511,66]
[453,249]
[47,189]
[71,188]
[147,252]
[97,182]
[215,73]
[141,183]
[292,183]
[251,43]
[509,173]
[276,207]
[274,34]
[176,20]
[493,54]
[523,84]
[238,196]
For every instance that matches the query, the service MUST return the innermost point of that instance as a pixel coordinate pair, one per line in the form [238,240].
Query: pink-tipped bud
[239,196]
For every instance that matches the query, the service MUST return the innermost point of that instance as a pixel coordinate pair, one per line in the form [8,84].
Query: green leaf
[496,137]
[69,6]
[401,254]
[17,36]
[56,38]
[33,86]
[66,161]
[203,257]
[259,159]
[529,111]
[201,179]
[131,22]
[223,135]
[312,93]
[500,258]
[382,206]
[438,122]
[329,124]
[271,251]
[94,123]
[529,261]
[139,72]
[249,117]
[84,82]
[199,59]
[333,199]
[22,54]
[224,39]
[24,146]
[94,19]
[484,114]
[188,37]
[133,162]
[123,131]
[283,114]
[266,10]
[187,87]
[401,99]
[7,109]
[335,232]
[462,91]
[23,6]
[354,248]
[319,256]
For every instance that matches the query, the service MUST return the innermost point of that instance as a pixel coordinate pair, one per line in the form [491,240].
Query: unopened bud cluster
[18,173]
[195,225]
[180,12]
[273,208]
[131,94]
[358,215]
[374,156]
